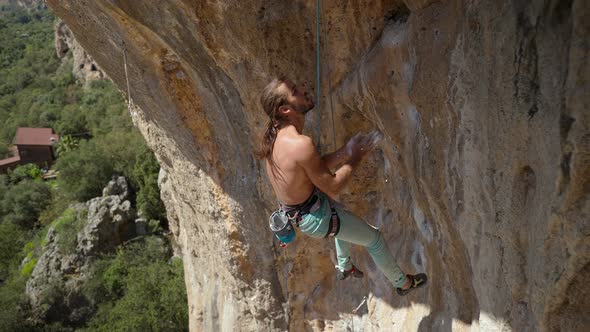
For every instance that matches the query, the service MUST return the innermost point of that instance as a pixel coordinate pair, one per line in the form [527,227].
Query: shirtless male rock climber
[303,183]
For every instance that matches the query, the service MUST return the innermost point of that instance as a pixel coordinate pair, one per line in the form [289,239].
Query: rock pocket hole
[399,14]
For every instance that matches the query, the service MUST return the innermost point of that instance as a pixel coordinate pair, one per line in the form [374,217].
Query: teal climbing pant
[353,230]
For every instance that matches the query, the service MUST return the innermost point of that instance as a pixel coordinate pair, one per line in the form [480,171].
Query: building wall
[4,168]
[40,155]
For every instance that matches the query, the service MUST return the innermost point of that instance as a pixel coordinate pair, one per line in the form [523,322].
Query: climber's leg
[345,268]
[354,230]
[343,254]
[316,223]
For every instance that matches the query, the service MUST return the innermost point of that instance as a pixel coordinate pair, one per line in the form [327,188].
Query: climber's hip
[321,222]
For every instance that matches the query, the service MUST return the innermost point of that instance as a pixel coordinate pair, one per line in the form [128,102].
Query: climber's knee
[377,244]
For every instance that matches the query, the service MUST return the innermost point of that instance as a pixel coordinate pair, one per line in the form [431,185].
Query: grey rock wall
[83,67]
[54,288]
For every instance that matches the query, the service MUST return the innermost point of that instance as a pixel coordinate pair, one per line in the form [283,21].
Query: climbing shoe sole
[416,281]
[342,275]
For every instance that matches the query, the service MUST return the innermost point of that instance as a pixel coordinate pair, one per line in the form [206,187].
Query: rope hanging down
[321,16]
[318,77]
[129,102]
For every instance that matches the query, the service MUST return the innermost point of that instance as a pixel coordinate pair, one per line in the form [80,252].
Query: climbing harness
[334,226]
[281,221]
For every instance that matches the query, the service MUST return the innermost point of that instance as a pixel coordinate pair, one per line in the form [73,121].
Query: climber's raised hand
[360,145]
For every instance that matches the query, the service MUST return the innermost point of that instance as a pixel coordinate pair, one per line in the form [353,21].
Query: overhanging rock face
[483,179]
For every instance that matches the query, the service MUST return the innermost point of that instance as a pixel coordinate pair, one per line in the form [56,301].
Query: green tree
[145,173]
[72,121]
[23,203]
[4,187]
[12,302]
[122,147]
[105,108]
[66,144]
[13,239]
[27,171]
[150,293]
[86,171]
[4,151]
[83,174]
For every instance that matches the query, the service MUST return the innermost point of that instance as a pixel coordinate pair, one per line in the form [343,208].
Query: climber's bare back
[290,181]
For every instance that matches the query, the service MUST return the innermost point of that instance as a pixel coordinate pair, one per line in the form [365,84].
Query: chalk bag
[282,227]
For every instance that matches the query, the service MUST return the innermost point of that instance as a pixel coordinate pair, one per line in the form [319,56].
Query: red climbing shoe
[341,275]
[416,281]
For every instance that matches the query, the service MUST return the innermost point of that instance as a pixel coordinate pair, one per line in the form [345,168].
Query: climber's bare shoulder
[290,181]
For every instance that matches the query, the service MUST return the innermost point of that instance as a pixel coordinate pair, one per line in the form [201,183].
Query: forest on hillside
[137,286]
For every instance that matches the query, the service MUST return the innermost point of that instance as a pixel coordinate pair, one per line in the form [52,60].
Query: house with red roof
[31,145]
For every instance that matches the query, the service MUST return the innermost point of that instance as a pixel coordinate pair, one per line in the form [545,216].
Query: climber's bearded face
[299,98]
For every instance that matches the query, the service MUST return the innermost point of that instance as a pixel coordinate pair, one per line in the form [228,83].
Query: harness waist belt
[297,211]
[334,226]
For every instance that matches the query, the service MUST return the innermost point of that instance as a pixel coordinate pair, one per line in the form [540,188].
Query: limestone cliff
[84,67]
[54,288]
[483,179]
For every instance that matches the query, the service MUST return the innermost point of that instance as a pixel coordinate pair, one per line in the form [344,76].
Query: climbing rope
[321,16]
[129,102]
[323,10]
[355,310]
[318,77]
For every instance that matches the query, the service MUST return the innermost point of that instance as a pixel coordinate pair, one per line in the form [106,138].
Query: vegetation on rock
[140,287]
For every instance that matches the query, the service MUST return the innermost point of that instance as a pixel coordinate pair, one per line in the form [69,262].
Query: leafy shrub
[12,238]
[59,203]
[27,171]
[105,108]
[72,121]
[66,144]
[155,301]
[28,267]
[4,187]
[23,202]
[12,302]
[145,174]
[4,151]
[139,289]
[67,228]
[83,174]
[154,226]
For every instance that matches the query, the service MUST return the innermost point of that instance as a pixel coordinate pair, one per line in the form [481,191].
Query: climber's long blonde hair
[272,98]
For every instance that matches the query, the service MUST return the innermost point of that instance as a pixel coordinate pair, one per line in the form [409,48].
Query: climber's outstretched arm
[317,171]
[315,168]
[348,150]
[336,158]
